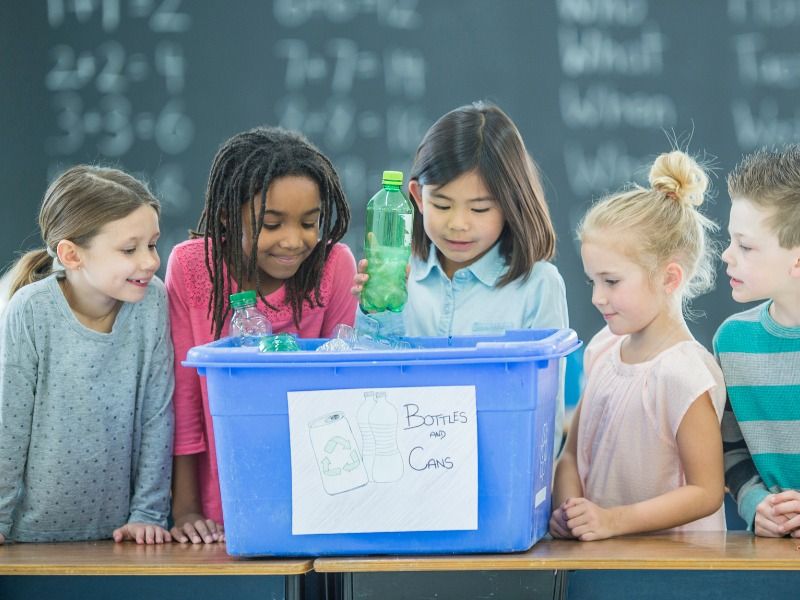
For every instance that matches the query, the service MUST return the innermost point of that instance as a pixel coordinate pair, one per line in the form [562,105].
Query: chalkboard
[597,87]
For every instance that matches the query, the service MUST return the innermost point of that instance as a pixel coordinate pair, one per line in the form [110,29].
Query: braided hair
[245,166]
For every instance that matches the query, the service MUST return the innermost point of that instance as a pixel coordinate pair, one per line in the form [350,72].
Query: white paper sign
[384,459]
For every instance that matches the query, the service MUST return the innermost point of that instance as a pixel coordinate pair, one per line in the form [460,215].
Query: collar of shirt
[775,328]
[487,269]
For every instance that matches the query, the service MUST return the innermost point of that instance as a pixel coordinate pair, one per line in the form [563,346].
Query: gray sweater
[86,419]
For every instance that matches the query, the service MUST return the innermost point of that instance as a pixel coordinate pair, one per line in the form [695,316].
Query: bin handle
[562,340]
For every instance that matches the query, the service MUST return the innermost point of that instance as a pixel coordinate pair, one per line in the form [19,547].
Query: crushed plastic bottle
[346,338]
[281,342]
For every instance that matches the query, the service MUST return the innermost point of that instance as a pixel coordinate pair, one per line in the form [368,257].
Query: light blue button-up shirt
[471,304]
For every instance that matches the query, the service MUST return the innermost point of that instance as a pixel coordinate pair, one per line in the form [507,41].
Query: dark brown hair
[75,207]
[245,166]
[481,137]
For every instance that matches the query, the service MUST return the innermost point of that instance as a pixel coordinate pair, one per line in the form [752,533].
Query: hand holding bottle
[362,276]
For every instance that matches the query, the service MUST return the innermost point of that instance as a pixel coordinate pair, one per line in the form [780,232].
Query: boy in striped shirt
[759,349]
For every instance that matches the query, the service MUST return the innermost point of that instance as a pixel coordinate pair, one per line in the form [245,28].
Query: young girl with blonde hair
[644,451]
[86,419]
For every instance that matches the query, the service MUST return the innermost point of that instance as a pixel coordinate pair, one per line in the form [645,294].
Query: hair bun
[678,176]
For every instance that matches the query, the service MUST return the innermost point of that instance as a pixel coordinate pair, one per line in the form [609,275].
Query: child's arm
[190,523]
[18,375]
[547,305]
[700,449]
[190,439]
[150,497]
[743,480]
[341,305]
[567,482]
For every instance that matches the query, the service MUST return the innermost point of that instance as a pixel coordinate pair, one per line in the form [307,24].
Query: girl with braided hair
[273,218]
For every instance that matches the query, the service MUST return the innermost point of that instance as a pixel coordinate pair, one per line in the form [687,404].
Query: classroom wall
[597,87]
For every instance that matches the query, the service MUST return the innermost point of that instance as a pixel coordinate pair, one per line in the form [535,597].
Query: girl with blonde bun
[644,452]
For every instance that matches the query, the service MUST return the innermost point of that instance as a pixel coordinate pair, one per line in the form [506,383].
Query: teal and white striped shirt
[761,424]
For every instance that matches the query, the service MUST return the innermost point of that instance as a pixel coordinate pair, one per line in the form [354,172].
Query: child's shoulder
[32,292]
[543,278]
[546,271]
[189,253]
[153,308]
[187,274]
[737,330]
[340,253]
[600,344]
[156,293]
[339,269]
[30,297]
[685,359]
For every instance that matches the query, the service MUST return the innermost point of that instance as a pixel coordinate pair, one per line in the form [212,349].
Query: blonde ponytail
[31,266]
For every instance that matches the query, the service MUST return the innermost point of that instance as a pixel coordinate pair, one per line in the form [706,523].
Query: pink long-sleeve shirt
[189,290]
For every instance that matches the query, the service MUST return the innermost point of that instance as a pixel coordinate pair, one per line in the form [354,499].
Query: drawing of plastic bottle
[388,464]
[367,439]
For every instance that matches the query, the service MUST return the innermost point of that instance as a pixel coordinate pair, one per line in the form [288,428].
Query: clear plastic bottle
[387,246]
[387,465]
[367,439]
[247,324]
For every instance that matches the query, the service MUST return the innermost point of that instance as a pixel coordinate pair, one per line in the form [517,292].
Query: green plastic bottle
[280,342]
[387,246]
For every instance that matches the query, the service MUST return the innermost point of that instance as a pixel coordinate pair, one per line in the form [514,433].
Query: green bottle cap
[241,299]
[392,178]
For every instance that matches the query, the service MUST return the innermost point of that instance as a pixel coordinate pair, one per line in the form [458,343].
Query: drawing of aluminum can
[337,455]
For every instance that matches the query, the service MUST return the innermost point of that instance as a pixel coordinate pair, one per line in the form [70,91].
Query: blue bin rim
[513,346]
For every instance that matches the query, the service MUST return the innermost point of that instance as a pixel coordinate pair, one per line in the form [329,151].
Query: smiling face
[119,262]
[290,230]
[461,218]
[622,290]
[758,267]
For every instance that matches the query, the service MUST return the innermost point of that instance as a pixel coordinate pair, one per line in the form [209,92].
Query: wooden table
[737,561]
[106,562]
